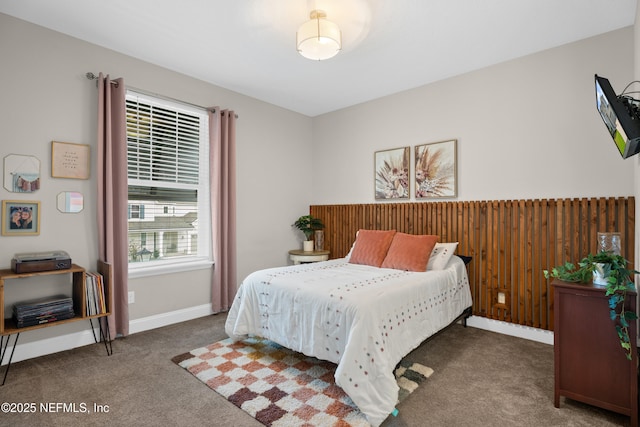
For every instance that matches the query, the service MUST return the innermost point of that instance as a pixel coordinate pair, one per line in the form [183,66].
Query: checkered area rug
[280,387]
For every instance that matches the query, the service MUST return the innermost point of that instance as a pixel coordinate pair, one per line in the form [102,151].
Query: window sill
[157,269]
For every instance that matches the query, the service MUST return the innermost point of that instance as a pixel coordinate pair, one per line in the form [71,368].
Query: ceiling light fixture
[318,38]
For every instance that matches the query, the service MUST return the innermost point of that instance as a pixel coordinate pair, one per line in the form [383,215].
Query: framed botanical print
[20,218]
[436,170]
[392,174]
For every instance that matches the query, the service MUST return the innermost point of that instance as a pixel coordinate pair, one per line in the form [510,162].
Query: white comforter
[364,319]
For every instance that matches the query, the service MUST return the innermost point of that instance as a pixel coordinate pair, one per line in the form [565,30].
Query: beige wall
[527,128]
[45,97]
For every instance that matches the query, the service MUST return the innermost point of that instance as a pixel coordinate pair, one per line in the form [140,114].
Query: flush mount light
[318,38]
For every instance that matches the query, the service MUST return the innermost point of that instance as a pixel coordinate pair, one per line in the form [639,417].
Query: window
[168,182]
[136,211]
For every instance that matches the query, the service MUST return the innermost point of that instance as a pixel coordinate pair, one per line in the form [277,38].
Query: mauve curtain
[112,196]
[222,163]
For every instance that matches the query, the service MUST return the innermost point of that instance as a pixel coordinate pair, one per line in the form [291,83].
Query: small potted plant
[308,225]
[610,270]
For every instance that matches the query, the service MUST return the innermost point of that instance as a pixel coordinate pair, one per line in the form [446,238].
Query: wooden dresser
[590,365]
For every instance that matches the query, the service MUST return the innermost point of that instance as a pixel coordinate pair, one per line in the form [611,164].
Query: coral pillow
[371,247]
[441,255]
[409,252]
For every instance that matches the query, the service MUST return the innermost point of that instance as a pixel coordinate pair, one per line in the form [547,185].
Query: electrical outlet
[132,297]
[502,298]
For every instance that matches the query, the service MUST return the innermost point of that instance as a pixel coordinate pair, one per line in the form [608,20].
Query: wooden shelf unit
[79,296]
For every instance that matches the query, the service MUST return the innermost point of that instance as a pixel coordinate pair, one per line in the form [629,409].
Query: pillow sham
[409,252]
[371,247]
[442,253]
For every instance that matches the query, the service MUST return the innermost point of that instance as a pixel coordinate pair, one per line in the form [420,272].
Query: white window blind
[163,145]
[168,177]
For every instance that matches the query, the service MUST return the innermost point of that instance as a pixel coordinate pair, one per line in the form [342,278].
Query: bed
[365,318]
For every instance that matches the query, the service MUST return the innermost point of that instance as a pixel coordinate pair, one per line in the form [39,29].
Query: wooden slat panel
[576,222]
[516,260]
[551,255]
[490,264]
[474,228]
[630,231]
[511,242]
[500,254]
[540,264]
[535,249]
[522,265]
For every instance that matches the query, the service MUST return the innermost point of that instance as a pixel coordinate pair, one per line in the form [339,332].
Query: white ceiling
[248,46]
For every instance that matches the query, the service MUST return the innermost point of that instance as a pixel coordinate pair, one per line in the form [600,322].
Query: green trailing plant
[308,225]
[619,281]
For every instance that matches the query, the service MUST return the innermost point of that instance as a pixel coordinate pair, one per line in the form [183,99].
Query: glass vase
[319,239]
[609,242]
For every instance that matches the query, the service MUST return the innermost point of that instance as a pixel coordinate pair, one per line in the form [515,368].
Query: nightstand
[590,364]
[299,256]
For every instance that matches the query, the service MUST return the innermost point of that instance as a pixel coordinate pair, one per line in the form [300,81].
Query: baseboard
[79,339]
[526,332]
[67,342]
[166,319]
[46,346]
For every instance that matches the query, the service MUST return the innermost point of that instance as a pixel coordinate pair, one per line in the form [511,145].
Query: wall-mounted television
[620,114]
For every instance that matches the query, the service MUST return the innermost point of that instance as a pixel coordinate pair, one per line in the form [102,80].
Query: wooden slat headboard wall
[511,242]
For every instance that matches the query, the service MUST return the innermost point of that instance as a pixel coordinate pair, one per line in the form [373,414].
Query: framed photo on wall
[20,218]
[436,170]
[392,174]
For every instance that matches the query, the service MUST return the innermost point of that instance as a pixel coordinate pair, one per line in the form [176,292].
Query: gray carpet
[481,379]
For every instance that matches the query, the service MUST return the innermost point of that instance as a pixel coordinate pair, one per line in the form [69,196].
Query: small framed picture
[21,173]
[436,169]
[392,174]
[70,160]
[20,218]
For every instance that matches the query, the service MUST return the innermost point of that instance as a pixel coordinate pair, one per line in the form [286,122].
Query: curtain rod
[92,76]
